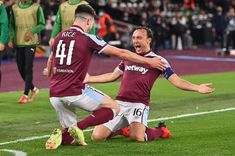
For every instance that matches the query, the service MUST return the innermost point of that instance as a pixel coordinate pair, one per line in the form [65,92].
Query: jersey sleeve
[3,24]
[41,21]
[168,72]
[96,44]
[121,66]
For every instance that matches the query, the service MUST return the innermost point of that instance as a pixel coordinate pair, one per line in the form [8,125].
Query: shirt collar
[76,27]
[145,54]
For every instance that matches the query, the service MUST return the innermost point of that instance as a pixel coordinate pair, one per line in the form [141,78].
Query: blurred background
[177,24]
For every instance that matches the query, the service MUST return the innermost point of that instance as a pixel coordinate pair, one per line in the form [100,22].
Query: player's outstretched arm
[47,71]
[107,77]
[130,56]
[186,85]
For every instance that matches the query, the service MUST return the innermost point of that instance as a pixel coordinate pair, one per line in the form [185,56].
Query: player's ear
[149,40]
[88,21]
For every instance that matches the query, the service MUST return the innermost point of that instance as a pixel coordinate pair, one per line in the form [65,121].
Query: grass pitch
[211,134]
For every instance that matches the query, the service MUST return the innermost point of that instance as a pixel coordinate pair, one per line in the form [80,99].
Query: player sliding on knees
[68,65]
[134,94]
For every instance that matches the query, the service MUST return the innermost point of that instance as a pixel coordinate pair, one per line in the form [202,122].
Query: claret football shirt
[138,80]
[72,52]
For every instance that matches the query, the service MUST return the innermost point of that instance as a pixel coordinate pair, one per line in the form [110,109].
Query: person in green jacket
[3,31]
[65,17]
[26,21]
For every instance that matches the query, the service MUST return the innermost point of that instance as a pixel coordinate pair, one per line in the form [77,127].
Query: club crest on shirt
[142,70]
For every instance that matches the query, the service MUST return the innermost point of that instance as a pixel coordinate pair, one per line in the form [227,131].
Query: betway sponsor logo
[136,68]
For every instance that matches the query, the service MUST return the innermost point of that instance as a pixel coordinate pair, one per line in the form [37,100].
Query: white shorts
[89,100]
[129,113]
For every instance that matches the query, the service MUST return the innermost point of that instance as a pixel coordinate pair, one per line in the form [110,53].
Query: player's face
[140,41]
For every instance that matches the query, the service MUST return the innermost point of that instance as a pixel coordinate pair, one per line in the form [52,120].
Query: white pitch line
[17,153]
[151,120]
[193,114]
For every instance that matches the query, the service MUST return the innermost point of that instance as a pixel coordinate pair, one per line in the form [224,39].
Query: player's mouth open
[137,47]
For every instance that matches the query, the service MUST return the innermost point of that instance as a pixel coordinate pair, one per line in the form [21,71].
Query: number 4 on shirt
[60,52]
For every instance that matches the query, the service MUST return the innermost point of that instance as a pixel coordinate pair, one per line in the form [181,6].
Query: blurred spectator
[189,5]
[178,28]
[50,8]
[155,24]
[219,24]
[210,7]
[144,19]
[165,6]
[106,28]
[230,30]
[126,38]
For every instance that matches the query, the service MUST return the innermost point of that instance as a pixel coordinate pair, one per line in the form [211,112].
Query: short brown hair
[147,29]
[85,9]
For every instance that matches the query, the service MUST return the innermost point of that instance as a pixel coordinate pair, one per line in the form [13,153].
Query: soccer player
[68,65]
[64,18]
[26,21]
[3,31]
[134,93]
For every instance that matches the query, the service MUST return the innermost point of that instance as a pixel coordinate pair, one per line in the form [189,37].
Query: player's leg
[20,60]
[110,128]
[67,117]
[100,133]
[158,132]
[137,131]
[29,59]
[102,106]
[137,117]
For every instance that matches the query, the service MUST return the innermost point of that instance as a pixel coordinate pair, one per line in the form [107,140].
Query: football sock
[66,138]
[124,131]
[98,117]
[152,133]
[113,134]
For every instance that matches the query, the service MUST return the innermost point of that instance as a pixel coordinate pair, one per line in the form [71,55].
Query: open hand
[205,88]
[157,63]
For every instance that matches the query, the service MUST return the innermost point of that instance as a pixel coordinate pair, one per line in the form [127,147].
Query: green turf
[210,134]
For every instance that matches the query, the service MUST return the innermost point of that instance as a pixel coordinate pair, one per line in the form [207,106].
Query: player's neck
[81,25]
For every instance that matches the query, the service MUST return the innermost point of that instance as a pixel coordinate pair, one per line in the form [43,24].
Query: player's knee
[136,137]
[97,136]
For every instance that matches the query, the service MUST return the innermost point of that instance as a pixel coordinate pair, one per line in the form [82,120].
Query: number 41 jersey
[72,52]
